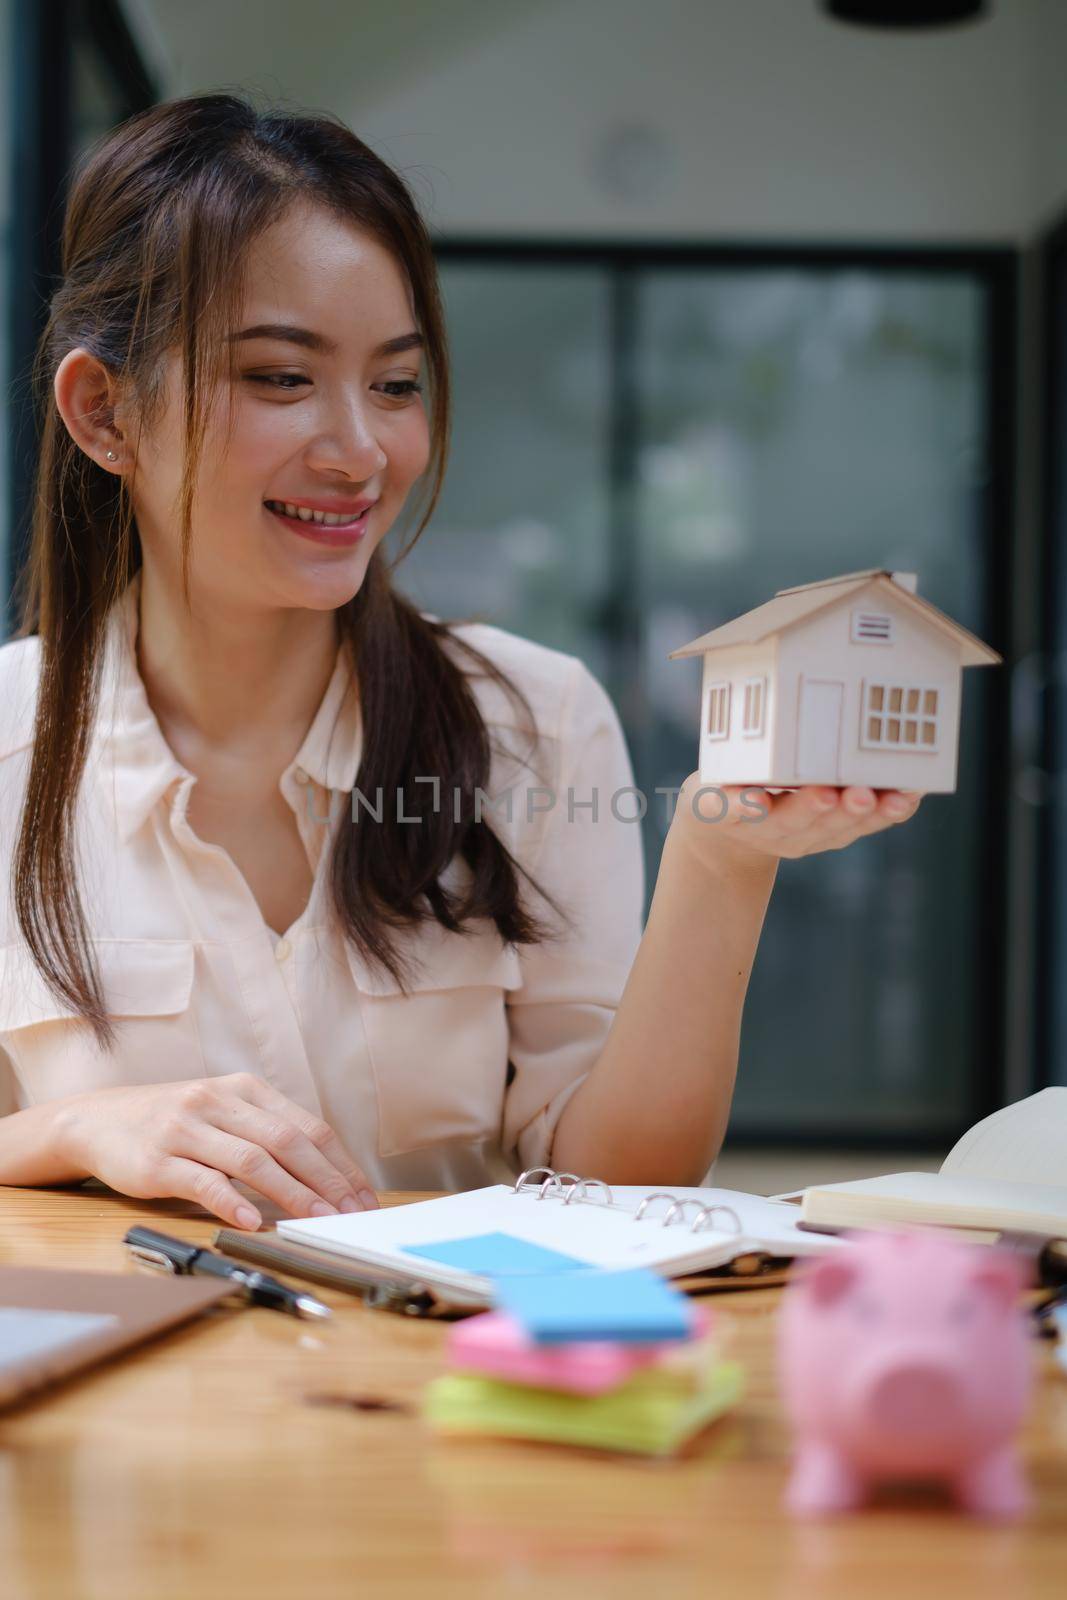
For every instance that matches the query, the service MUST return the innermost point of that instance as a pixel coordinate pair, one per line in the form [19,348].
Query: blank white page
[606,1236]
[1022,1143]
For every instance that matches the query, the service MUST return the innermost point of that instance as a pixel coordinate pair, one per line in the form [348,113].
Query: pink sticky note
[495,1345]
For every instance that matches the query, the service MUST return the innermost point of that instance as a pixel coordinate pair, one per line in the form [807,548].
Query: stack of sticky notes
[616,1360]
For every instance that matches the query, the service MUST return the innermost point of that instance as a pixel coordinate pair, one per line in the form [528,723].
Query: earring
[111,456]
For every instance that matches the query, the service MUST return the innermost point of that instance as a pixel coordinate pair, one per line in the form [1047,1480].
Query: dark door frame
[41,143]
[996,269]
[1050,1012]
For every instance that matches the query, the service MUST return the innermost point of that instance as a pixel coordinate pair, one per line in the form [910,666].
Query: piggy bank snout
[913,1397]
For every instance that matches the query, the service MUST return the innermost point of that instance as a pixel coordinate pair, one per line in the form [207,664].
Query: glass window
[521,535]
[795,424]
[645,448]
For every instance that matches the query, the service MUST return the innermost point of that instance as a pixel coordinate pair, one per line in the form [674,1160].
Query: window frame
[720,687]
[759,685]
[885,714]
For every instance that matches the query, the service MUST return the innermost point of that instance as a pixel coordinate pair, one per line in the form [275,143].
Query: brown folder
[125,1309]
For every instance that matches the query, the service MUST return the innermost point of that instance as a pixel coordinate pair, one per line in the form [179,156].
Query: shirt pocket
[147,986]
[439,1054]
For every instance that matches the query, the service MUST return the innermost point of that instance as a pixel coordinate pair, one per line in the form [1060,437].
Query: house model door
[819,729]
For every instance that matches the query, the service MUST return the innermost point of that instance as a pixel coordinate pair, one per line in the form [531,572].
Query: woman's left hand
[744,822]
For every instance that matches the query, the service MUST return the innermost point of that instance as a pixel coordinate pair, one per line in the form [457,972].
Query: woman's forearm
[654,1109]
[34,1146]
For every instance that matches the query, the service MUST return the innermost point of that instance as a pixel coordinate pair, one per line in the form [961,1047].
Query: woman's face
[324,419]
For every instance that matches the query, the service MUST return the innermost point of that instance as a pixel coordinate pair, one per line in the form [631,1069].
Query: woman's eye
[405,386]
[397,388]
[279,380]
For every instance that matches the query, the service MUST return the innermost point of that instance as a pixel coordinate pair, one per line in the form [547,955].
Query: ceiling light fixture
[904,14]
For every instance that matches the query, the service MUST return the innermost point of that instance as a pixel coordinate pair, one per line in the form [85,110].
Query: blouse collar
[143,764]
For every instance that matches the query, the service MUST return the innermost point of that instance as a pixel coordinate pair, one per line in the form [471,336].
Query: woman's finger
[252,1165]
[856,815]
[818,818]
[898,804]
[189,1180]
[290,1147]
[806,820]
[861,813]
[831,812]
[320,1133]
[794,813]
[890,814]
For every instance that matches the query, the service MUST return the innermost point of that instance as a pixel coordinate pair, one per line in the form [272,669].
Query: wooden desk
[202,1467]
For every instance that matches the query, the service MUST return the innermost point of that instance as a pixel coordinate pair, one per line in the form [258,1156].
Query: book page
[1021,1143]
[938,1196]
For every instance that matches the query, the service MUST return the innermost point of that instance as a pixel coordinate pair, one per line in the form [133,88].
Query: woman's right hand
[188,1139]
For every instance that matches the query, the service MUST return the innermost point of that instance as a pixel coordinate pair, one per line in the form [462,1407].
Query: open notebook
[519,1230]
[1007,1173]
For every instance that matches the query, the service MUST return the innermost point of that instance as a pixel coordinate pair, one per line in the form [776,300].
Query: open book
[482,1234]
[1006,1174]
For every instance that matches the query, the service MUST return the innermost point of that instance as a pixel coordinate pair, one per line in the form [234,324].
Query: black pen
[379,1293]
[177,1255]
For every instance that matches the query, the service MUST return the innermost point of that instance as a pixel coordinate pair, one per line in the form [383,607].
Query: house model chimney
[907,580]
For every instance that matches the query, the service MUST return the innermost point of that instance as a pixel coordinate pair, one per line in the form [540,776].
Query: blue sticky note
[635,1306]
[495,1254]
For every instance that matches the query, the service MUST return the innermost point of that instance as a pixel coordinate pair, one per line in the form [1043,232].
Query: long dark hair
[158,223]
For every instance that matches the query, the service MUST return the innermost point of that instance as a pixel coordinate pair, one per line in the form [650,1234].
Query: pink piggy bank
[906,1357]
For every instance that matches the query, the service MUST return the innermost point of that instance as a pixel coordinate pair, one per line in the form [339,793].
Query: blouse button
[282,949]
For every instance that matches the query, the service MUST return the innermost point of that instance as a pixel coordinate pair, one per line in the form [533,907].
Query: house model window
[899,715]
[872,627]
[719,711]
[755,699]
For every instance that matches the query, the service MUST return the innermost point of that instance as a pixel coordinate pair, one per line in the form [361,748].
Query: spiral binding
[576,1186]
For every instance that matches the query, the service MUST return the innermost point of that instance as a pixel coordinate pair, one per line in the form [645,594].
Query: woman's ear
[87,398]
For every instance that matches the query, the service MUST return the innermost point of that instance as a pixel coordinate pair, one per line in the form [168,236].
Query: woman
[228,956]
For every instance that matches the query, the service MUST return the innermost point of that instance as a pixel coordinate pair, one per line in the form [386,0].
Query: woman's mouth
[321,527]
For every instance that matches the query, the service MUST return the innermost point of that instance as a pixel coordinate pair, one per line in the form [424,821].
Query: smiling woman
[305,957]
[232,390]
[204,244]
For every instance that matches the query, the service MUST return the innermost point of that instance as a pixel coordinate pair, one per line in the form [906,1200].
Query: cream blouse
[458,1083]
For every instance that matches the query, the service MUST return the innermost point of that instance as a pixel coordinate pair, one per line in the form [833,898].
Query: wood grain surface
[252,1454]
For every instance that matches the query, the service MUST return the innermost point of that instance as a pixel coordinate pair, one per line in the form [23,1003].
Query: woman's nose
[350,445]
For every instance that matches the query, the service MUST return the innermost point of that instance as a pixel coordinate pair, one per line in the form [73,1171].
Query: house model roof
[791,606]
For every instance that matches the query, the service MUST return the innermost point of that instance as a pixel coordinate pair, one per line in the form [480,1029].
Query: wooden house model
[854,680]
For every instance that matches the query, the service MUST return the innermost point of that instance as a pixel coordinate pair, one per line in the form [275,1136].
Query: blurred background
[741,294]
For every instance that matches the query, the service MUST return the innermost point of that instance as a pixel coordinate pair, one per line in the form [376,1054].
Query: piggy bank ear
[1000,1276]
[829,1279]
